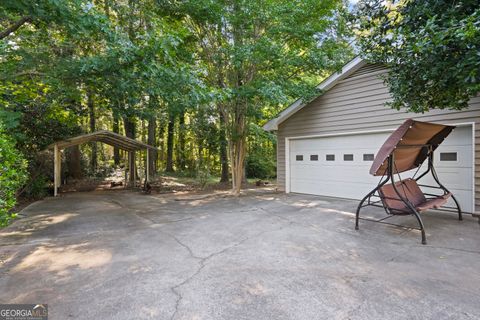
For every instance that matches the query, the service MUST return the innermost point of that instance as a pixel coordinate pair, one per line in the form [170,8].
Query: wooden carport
[116,140]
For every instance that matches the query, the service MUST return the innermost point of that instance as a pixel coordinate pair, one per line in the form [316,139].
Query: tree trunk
[73,162]
[91,113]
[171,124]
[200,155]
[116,129]
[161,143]
[152,140]
[237,142]
[181,142]
[237,154]
[129,125]
[223,151]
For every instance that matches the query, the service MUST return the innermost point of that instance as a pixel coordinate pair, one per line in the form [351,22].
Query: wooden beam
[59,171]
[148,167]
[55,169]
[134,168]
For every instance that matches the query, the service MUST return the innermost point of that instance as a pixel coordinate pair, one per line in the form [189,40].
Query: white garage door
[338,166]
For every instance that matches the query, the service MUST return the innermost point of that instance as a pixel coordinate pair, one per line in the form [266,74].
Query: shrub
[13,175]
[37,188]
[203,176]
[259,165]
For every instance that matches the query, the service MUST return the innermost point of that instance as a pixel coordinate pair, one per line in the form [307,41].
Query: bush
[37,188]
[13,175]
[260,166]
[203,176]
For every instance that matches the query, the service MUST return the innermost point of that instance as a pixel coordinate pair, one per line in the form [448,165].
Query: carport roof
[108,137]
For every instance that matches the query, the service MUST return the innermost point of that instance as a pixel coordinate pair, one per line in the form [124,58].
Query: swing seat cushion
[409,190]
[434,203]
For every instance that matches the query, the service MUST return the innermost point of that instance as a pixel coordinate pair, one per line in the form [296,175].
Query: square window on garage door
[348,157]
[368,157]
[299,157]
[448,156]
[330,157]
[314,157]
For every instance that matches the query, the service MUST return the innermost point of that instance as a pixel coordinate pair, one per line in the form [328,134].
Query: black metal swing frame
[412,210]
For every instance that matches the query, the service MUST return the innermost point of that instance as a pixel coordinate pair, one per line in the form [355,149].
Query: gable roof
[325,85]
[108,137]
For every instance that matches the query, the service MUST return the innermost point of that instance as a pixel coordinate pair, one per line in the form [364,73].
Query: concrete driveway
[123,255]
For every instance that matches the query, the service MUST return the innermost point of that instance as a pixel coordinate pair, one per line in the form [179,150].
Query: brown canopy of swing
[410,145]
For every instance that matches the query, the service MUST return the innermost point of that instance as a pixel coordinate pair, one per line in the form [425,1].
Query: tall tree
[130,131]
[170,133]
[92,119]
[257,53]
[431,48]
[152,140]
[116,129]
[223,152]
[181,141]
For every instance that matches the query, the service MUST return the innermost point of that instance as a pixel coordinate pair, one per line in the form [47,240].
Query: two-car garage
[338,165]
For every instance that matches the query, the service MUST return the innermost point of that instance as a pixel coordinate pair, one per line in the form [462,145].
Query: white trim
[287,165]
[328,83]
[287,149]
[473,167]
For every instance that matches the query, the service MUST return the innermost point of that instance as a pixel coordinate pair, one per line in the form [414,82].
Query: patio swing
[407,148]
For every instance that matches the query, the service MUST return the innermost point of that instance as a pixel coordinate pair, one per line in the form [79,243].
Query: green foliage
[221,66]
[37,188]
[264,52]
[256,54]
[260,166]
[12,176]
[203,177]
[431,47]
[260,161]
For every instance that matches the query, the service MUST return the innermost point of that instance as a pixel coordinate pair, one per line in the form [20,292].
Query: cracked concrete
[123,255]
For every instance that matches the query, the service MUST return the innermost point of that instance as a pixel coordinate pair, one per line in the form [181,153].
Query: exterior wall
[357,104]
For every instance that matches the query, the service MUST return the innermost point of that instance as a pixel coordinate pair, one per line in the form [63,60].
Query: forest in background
[198,78]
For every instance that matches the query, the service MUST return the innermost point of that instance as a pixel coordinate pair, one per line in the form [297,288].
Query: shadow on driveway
[123,255]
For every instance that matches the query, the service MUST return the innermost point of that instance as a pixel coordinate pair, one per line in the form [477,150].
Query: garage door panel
[350,179]
[462,157]
[463,197]
[354,190]
[348,175]
[452,179]
[457,137]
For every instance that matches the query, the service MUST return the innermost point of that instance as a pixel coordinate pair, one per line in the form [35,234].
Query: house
[326,146]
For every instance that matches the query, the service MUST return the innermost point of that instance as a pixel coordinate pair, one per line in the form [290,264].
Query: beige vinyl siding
[357,103]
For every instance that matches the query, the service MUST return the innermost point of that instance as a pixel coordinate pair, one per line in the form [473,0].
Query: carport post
[148,167]
[134,168]
[55,170]
[126,177]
